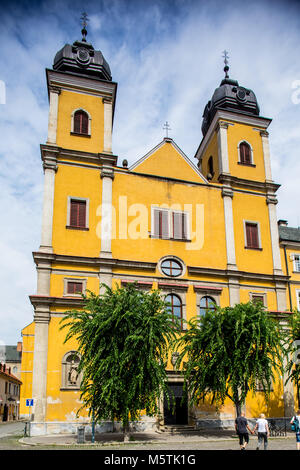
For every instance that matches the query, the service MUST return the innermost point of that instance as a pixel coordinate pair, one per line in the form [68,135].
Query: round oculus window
[83,55]
[241,94]
[171,268]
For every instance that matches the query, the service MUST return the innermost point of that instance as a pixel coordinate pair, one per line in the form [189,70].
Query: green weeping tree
[124,336]
[228,350]
[293,352]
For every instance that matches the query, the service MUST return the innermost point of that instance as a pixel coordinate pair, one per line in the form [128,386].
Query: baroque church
[204,231]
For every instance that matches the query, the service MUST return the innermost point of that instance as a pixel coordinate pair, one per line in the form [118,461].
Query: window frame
[206,296]
[80,134]
[295,262]
[175,294]
[87,207]
[170,224]
[240,162]
[77,280]
[252,295]
[298,299]
[252,222]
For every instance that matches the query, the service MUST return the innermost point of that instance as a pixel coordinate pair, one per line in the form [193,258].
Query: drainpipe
[287,272]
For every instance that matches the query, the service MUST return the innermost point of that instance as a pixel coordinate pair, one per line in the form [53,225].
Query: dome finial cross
[84,19]
[226,68]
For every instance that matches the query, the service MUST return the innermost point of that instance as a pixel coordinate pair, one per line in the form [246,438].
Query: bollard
[80,434]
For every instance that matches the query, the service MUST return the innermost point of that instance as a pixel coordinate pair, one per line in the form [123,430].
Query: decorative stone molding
[271,199]
[227,192]
[54,89]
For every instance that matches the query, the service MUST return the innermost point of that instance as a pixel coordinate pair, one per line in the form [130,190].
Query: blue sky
[167,59]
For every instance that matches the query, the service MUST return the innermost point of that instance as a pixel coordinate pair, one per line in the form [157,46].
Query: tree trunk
[126,432]
[237,403]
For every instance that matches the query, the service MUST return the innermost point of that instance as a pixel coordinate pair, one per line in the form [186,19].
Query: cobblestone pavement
[207,441]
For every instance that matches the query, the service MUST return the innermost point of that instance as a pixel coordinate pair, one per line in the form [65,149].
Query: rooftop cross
[84,19]
[226,68]
[167,128]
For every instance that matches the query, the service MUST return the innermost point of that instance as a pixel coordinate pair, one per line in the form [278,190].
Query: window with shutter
[179,220]
[297,263]
[245,153]
[74,287]
[81,122]
[78,214]
[252,238]
[161,224]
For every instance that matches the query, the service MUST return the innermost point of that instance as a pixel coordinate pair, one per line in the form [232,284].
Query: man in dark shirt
[242,428]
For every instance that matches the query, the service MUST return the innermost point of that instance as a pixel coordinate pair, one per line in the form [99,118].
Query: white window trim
[170,227]
[206,293]
[172,258]
[87,211]
[258,230]
[73,279]
[259,294]
[298,298]
[251,149]
[182,295]
[89,121]
[293,258]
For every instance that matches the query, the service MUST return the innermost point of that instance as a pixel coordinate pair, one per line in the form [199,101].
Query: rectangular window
[74,287]
[297,263]
[78,213]
[252,236]
[168,224]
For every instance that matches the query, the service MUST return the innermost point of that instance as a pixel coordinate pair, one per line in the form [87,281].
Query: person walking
[296,421]
[263,431]
[242,428]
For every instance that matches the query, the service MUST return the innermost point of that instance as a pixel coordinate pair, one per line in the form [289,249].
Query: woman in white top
[262,431]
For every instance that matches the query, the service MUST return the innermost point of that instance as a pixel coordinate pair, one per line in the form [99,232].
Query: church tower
[78,171]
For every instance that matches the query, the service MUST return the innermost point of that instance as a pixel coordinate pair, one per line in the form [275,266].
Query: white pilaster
[53,113]
[223,147]
[272,201]
[107,176]
[50,169]
[107,137]
[266,152]
[234,291]
[39,374]
[227,195]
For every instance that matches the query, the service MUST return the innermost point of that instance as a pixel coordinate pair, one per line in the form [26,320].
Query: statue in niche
[73,373]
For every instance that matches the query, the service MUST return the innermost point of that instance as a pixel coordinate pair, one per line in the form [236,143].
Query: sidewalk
[105,439]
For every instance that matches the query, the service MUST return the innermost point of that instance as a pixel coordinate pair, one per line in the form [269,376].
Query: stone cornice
[39,301]
[50,153]
[93,262]
[250,184]
[231,273]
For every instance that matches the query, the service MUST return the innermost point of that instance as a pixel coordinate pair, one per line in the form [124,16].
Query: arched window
[70,377]
[207,303]
[210,165]
[81,122]
[175,307]
[245,153]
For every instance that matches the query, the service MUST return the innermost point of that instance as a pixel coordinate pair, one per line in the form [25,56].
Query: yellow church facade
[204,233]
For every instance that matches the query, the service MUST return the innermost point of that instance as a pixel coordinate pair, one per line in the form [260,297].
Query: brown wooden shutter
[81,122]
[245,153]
[161,224]
[252,235]
[179,220]
[74,287]
[78,214]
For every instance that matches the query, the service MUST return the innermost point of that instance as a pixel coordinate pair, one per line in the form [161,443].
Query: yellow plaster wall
[83,183]
[148,192]
[26,367]
[62,405]
[252,208]
[166,161]
[211,150]
[70,101]
[237,133]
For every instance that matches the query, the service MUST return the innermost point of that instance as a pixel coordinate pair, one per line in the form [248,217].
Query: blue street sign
[29,401]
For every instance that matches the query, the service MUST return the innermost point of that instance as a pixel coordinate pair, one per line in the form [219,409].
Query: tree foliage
[123,337]
[228,350]
[293,351]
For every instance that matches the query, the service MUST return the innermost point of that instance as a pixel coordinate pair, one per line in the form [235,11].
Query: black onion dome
[81,58]
[229,96]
